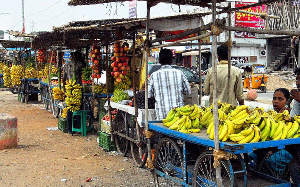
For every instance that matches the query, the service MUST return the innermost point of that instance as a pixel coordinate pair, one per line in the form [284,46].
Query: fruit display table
[131,110]
[174,145]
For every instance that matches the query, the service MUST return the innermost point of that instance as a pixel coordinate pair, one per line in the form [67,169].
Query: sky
[42,15]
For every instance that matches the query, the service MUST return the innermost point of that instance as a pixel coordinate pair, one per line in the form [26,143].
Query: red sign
[249,20]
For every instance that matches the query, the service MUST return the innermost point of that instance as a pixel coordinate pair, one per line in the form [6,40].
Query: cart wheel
[120,126]
[168,159]
[274,165]
[263,89]
[139,151]
[204,173]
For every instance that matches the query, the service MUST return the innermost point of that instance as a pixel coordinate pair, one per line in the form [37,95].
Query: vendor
[73,70]
[167,85]
[280,98]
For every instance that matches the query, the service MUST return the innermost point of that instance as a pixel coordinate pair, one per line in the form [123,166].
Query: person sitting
[280,98]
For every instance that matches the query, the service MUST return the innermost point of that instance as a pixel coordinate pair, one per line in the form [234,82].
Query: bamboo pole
[107,93]
[229,49]
[260,31]
[200,77]
[184,40]
[59,56]
[146,90]
[215,100]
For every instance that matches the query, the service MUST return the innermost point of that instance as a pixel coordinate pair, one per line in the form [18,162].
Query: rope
[222,155]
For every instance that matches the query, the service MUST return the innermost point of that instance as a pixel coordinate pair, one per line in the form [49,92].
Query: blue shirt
[167,85]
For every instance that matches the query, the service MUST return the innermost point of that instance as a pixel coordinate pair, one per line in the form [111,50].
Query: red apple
[123,68]
[127,59]
[123,59]
[90,54]
[116,49]
[96,62]
[113,58]
[121,49]
[92,59]
[124,72]
[118,80]
[116,54]
[94,75]
[98,76]
[96,71]
[93,67]
[117,74]
[126,48]
[125,64]
[115,69]
[127,68]
[118,59]
[112,73]
[120,54]
[120,65]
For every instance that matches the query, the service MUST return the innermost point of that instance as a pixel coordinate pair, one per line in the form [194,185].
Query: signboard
[67,55]
[132,9]
[1,34]
[249,20]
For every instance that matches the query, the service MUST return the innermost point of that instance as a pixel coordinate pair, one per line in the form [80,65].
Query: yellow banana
[266,130]
[296,135]
[236,137]
[256,135]
[195,123]
[238,109]
[242,112]
[193,130]
[247,138]
[278,129]
[194,114]
[293,129]
[247,131]
[230,126]
[262,124]
[209,128]
[168,124]
[273,127]
[176,124]
[278,136]
[284,132]
[206,115]
[257,120]
[252,116]
[241,119]
[223,132]
[225,137]
[212,132]
[289,125]
[184,130]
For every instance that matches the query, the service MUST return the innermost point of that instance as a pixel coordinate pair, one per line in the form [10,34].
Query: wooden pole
[59,56]
[107,93]
[215,100]
[260,31]
[229,49]
[146,89]
[200,77]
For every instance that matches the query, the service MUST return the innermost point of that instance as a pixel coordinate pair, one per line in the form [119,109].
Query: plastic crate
[62,125]
[105,142]
[105,126]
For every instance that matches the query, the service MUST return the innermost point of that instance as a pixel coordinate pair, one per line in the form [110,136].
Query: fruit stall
[241,130]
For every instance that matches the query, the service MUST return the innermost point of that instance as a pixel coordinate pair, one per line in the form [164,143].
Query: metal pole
[215,100]
[146,88]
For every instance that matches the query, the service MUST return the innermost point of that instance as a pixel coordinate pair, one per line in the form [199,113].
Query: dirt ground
[52,158]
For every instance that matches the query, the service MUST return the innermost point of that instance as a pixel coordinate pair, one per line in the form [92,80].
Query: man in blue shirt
[167,85]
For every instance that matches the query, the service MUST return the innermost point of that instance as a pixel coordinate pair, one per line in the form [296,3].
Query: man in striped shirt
[167,86]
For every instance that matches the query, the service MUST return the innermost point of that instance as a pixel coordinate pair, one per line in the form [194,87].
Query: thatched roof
[15,44]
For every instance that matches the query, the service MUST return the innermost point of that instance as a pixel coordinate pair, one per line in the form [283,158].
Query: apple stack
[96,57]
[52,57]
[119,62]
[41,55]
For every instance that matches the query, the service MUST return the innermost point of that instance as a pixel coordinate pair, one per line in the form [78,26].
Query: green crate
[105,142]
[62,124]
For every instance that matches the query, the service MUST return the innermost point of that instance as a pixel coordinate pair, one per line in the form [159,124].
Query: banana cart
[29,90]
[188,160]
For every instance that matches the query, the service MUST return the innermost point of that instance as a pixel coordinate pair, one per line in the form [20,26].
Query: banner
[249,20]
[132,9]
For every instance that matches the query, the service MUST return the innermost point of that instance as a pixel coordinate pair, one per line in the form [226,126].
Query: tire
[204,173]
[120,126]
[139,151]
[274,167]
[168,159]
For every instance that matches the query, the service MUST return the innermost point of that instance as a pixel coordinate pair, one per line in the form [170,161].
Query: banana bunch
[74,95]
[58,94]
[226,128]
[1,66]
[250,134]
[16,73]
[7,77]
[285,115]
[30,73]
[239,115]
[101,88]
[54,70]
[64,113]
[184,119]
